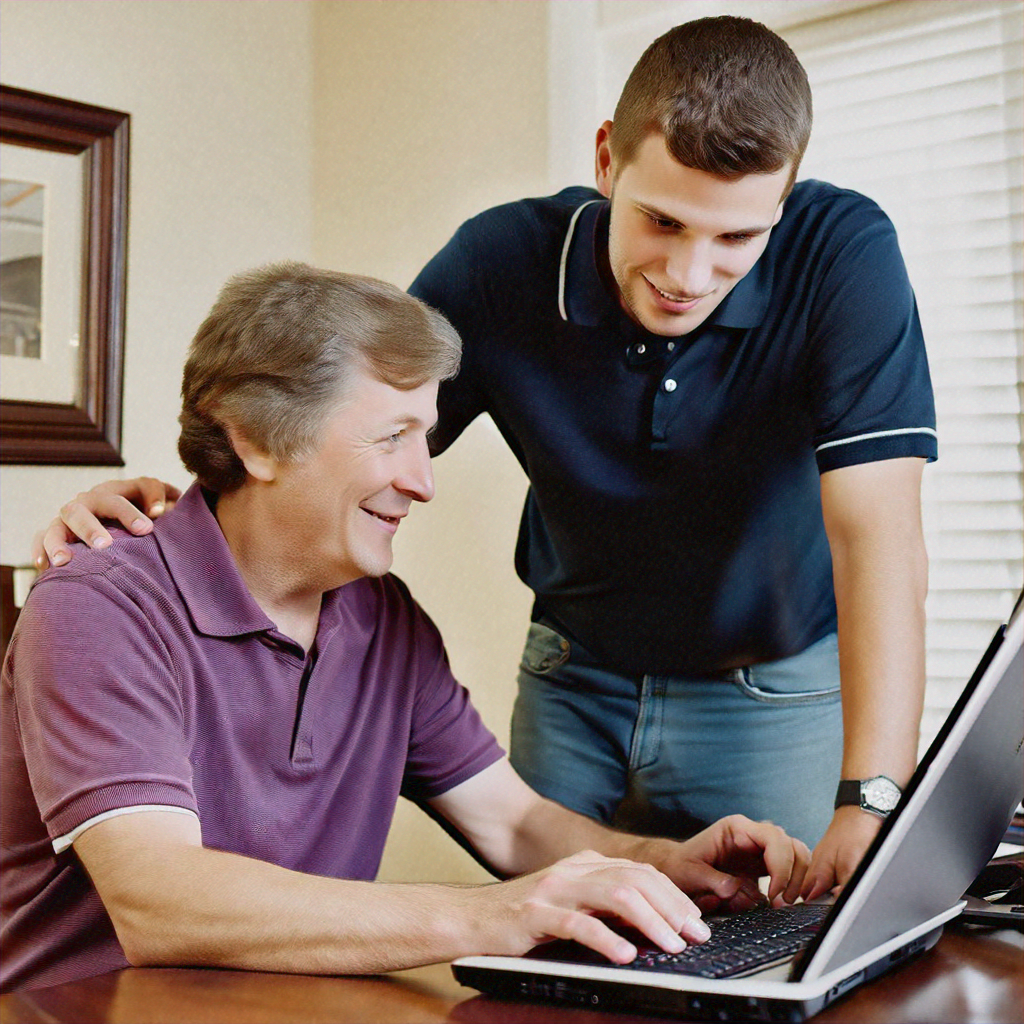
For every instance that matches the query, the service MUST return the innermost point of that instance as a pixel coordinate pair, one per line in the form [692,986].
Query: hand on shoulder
[119,500]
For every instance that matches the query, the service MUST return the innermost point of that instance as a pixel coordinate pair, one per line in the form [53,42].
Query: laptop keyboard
[740,943]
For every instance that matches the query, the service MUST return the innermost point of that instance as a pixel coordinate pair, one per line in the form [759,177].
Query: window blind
[919,105]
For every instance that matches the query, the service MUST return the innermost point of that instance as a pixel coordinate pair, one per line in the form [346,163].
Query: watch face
[881,794]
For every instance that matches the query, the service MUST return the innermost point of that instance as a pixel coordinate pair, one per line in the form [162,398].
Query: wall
[426,114]
[221,161]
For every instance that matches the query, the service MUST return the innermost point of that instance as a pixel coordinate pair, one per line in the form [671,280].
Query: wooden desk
[971,977]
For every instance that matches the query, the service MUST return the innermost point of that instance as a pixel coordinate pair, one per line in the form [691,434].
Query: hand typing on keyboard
[720,867]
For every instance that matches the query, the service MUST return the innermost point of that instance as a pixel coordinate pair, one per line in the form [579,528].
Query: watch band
[847,793]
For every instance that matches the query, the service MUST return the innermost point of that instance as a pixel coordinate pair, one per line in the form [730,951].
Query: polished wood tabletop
[972,976]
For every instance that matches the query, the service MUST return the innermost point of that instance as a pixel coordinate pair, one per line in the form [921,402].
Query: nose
[689,267]
[416,475]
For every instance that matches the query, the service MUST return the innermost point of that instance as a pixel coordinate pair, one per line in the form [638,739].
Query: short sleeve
[871,391]
[97,703]
[448,741]
[448,283]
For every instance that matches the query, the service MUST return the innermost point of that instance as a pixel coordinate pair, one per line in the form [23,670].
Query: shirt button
[671,346]
[670,385]
[641,349]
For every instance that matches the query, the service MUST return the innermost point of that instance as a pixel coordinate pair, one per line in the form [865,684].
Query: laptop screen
[945,857]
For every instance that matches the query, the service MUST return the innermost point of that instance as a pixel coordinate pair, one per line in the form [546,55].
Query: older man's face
[347,500]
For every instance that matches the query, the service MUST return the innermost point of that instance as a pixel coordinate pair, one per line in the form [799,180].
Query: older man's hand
[573,899]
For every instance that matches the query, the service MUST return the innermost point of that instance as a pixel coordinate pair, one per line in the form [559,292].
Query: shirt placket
[302,748]
[309,698]
[654,354]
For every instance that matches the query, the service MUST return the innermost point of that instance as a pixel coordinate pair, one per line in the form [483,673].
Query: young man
[717,384]
[206,729]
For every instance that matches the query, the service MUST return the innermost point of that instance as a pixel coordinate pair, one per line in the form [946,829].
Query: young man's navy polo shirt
[673,523]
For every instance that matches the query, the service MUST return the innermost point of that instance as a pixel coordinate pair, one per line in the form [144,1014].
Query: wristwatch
[879,795]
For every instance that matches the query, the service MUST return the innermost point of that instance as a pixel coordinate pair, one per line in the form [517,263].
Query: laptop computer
[909,883]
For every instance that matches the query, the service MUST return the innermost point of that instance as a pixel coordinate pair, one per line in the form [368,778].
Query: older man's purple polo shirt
[146,675]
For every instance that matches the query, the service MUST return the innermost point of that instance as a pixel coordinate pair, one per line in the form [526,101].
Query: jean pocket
[545,649]
[810,677]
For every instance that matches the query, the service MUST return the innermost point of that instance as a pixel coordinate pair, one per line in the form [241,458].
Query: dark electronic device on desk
[996,897]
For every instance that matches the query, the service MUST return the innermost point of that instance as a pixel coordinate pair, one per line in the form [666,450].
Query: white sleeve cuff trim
[877,433]
[61,843]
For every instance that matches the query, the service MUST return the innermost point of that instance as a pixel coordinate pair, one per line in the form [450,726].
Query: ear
[258,463]
[603,160]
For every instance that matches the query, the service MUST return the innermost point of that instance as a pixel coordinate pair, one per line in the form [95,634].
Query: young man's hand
[574,897]
[721,866]
[840,850]
[80,517]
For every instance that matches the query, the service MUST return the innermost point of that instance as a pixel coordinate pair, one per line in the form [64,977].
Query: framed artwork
[63,238]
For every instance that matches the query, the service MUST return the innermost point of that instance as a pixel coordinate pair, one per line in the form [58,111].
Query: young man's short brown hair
[273,360]
[728,95]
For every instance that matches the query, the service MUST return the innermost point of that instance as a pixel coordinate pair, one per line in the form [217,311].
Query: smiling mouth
[682,300]
[393,520]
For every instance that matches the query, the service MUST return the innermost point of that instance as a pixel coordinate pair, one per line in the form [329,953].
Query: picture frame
[66,403]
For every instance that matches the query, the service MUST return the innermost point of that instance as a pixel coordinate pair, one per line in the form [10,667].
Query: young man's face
[346,501]
[680,239]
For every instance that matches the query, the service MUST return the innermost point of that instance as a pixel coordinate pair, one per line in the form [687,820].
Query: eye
[661,222]
[738,239]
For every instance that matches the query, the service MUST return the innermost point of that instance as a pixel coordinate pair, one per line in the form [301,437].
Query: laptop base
[737,999]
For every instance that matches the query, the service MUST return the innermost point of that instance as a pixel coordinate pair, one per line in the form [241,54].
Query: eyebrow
[653,211]
[406,421]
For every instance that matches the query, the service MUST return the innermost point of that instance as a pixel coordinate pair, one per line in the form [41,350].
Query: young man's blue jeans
[666,755]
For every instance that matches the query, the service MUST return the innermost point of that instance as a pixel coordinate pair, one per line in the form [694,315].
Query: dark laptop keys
[740,943]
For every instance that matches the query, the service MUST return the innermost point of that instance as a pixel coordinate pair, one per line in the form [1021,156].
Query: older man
[206,729]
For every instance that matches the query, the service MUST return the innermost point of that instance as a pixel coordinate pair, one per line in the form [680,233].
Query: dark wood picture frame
[88,431]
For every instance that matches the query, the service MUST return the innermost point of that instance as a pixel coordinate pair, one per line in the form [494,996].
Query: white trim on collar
[565,255]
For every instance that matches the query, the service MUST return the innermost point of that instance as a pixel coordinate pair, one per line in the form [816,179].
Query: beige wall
[221,179]
[426,114]
[357,134]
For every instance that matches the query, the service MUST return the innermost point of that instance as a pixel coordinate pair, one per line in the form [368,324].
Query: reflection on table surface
[972,976]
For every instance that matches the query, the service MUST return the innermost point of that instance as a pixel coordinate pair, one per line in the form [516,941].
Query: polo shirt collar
[746,305]
[585,300]
[204,570]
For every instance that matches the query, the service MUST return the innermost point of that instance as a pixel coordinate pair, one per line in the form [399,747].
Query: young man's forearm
[880,587]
